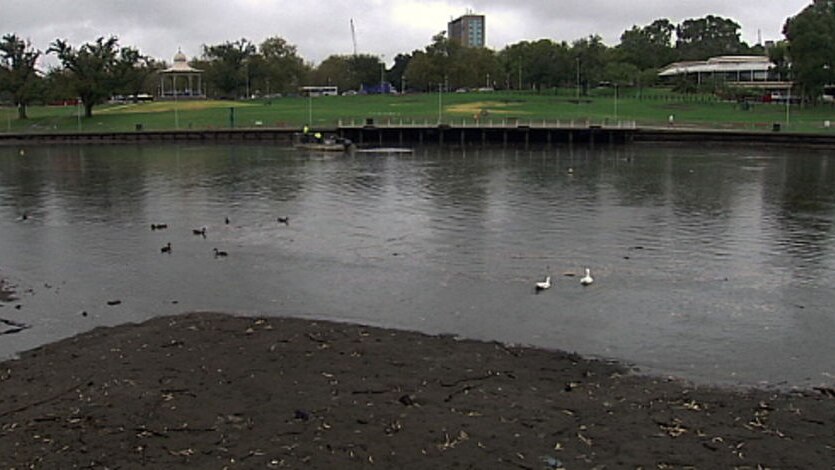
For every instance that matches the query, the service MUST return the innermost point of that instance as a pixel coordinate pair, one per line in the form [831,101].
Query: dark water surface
[715,264]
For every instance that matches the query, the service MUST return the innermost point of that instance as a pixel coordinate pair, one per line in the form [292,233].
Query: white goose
[542,285]
[587,279]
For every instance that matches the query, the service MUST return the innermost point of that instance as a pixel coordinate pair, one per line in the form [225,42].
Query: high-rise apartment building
[467,30]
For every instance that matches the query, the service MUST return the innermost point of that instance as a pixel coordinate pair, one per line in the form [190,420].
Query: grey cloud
[321,28]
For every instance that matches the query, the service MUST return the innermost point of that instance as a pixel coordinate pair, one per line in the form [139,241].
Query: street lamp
[382,72]
[616,102]
[440,102]
[309,108]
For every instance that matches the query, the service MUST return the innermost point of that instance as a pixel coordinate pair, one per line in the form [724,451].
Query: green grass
[645,108]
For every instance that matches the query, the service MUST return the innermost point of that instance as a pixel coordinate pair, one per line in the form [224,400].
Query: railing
[505,123]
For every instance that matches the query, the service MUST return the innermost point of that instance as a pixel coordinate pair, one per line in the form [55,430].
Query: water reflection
[712,263]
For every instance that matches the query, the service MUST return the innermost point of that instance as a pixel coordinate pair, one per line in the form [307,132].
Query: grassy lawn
[645,108]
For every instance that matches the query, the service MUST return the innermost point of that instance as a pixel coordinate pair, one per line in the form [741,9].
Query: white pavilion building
[181,81]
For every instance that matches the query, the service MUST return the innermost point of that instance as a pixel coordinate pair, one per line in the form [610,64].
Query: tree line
[98,70]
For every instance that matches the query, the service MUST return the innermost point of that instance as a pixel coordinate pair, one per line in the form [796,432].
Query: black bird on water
[200,231]
[227,220]
[219,253]
[159,226]
[166,248]
[284,220]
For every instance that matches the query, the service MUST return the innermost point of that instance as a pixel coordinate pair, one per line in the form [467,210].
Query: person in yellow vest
[318,136]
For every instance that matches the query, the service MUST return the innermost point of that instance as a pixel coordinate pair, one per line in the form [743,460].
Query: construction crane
[354,36]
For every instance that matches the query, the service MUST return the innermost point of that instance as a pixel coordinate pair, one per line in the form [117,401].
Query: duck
[587,279]
[159,226]
[166,248]
[284,220]
[226,219]
[220,253]
[542,285]
[199,231]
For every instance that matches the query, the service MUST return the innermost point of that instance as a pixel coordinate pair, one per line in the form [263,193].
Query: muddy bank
[216,391]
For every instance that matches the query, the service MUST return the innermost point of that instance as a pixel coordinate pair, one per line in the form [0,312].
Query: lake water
[714,264]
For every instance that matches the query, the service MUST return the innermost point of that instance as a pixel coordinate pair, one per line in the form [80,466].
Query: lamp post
[382,71]
[310,108]
[246,67]
[176,116]
[440,102]
[616,102]
[788,105]
[520,75]
[578,80]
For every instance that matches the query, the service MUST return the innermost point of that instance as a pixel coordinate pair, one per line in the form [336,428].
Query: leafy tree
[699,39]
[474,67]
[648,47]
[349,72]
[433,65]
[592,56]
[543,63]
[365,69]
[18,75]
[334,71]
[134,73]
[421,73]
[227,66]
[811,46]
[396,73]
[58,86]
[277,67]
[621,73]
[96,70]
[779,56]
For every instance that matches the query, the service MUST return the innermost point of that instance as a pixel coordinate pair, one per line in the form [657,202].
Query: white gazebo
[181,81]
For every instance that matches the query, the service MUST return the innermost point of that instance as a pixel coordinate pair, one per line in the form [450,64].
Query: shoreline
[207,390]
[445,135]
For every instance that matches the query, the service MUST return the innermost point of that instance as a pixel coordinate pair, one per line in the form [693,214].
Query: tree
[542,63]
[433,66]
[396,73]
[277,67]
[811,46]
[334,71]
[96,70]
[592,56]
[134,72]
[227,66]
[18,75]
[648,47]
[700,39]
[365,69]
[621,73]
[474,67]
[421,73]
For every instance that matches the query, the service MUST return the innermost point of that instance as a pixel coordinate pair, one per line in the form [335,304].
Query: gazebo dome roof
[181,65]
[180,57]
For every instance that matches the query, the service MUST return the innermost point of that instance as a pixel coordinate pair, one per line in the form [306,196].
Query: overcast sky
[321,28]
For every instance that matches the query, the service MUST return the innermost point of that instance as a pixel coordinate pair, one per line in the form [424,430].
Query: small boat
[321,144]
